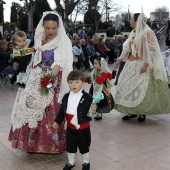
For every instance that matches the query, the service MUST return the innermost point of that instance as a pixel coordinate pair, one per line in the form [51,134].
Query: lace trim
[23,77]
[132,85]
[30,108]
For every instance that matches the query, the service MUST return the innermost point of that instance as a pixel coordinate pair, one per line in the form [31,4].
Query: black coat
[82,109]
[24,61]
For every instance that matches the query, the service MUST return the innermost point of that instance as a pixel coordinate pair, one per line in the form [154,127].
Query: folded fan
[98,98]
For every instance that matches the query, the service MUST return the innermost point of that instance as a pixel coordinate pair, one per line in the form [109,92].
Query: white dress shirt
[72,104]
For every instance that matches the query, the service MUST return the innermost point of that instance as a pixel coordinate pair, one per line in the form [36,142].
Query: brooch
[82,100]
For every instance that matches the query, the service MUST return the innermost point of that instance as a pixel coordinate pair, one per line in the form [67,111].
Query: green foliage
[19,16]
[9,26]
[15,8]
[22,23]
[41,6]
[92,16]
[149,23]
[100,31]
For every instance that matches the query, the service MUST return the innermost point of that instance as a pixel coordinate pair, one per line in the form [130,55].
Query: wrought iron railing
[161,33]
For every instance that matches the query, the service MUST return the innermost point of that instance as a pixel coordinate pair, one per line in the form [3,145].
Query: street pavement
[116,144]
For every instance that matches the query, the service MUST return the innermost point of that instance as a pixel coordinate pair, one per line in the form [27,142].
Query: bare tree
[161,13]
[92,4]
[163,9]
[81,9]
[108,6]
[103,7]
[65,8]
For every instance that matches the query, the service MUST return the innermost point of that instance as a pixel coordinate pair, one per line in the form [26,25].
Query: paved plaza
[116,144]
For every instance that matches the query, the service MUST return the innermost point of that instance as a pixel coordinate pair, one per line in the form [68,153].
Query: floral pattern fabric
[44,138]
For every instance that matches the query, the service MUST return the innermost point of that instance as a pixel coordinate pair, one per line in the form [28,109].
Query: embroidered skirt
[44,138]
[156,100]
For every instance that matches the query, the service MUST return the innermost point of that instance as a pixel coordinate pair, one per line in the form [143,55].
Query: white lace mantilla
[131,89]
[29,106]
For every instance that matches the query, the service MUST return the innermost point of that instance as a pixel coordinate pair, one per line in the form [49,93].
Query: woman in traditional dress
[143,86]
[33,112]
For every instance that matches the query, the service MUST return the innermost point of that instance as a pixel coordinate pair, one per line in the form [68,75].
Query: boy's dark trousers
[78,138]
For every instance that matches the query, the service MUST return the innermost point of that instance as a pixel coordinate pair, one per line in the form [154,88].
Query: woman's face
[132,22]
[50,28]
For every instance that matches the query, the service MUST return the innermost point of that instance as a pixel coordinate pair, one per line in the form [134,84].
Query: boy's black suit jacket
[82,109]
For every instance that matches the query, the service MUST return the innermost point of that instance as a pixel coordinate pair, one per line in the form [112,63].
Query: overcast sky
[134,6]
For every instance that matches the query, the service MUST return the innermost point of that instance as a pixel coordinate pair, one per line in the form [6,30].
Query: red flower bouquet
[103,77]
[88,79]
[47,83]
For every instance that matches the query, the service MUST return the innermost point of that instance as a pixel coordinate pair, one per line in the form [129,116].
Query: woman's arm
[55,70]
[124,54]
[126,51]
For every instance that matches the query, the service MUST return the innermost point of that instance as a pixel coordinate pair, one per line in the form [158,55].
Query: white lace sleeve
[58,59]
[125,54]
[126,49]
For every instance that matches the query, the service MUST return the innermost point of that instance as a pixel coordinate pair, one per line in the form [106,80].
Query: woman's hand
[116,64]
[55,125]
[56,70]
[15,65]
[144,68]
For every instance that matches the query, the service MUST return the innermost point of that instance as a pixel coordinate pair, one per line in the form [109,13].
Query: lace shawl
[63,55]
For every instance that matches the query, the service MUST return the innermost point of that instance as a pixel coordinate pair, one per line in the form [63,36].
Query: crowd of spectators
[87,46]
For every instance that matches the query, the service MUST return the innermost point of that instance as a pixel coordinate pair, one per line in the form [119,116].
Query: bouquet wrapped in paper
[47,83]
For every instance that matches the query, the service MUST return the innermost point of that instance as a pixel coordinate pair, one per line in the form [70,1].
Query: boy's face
[21,41]
[75,85]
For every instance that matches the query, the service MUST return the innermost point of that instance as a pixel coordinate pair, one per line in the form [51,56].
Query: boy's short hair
[20,34]
[76,75]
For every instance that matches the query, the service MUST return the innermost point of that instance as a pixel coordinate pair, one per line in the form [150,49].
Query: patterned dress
[43,138]
[141,94]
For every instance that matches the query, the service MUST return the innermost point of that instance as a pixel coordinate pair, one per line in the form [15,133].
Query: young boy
[75,107]
[22,54]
